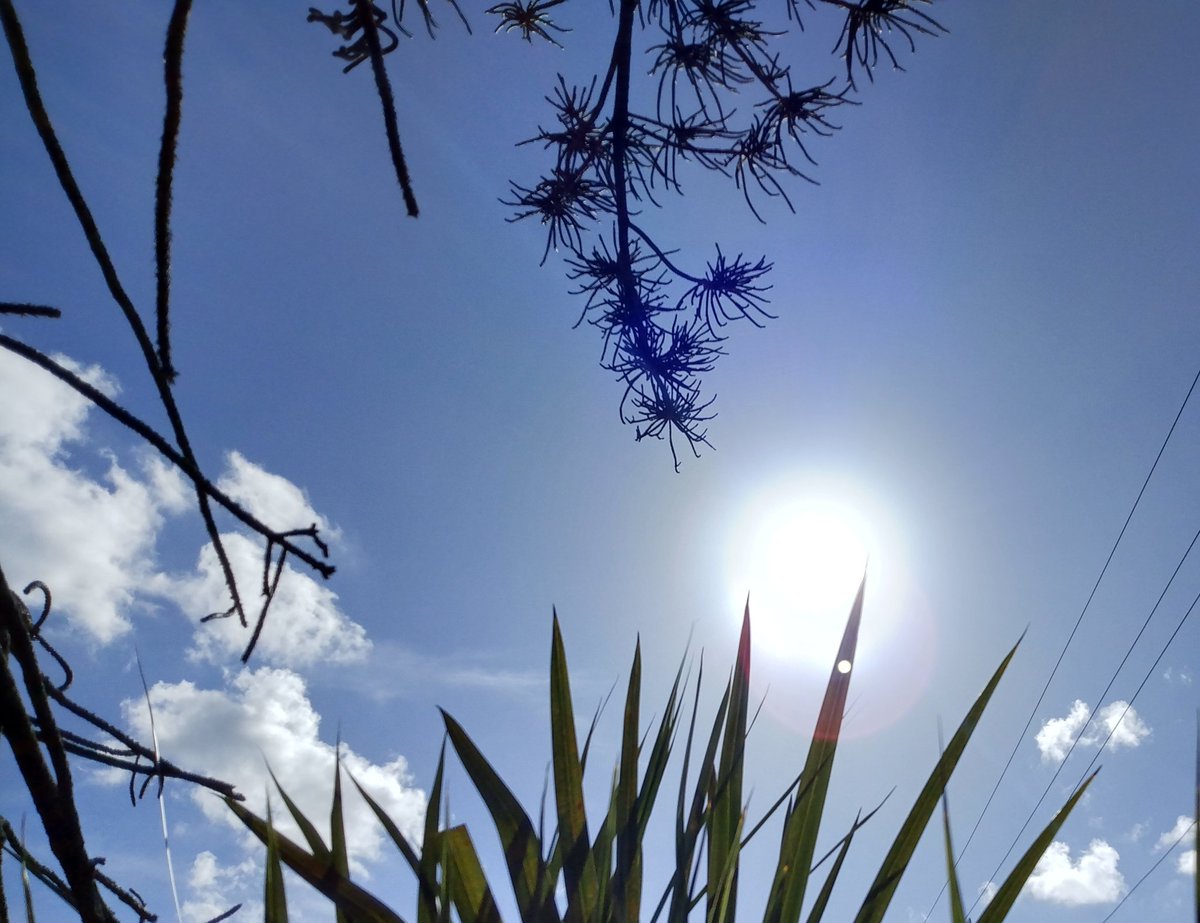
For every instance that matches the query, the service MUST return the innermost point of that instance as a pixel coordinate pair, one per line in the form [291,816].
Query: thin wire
[1053,672]
[1149,871]
[1117,723]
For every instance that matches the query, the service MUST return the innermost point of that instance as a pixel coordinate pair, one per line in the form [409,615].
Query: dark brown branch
[52,797]
[366,16]
[62,170]
[173,77]
[203,486]
[19,309]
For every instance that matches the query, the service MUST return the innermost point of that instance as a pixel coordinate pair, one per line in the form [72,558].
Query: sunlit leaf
[803,822]
[905,843]
[522,850]
[1010,890]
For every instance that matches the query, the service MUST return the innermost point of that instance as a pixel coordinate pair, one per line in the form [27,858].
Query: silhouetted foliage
[618,147]
[618,141]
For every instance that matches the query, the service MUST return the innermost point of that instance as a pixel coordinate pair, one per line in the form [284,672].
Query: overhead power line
[1074,629]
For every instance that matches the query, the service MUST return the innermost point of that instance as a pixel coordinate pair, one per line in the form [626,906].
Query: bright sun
[801,560]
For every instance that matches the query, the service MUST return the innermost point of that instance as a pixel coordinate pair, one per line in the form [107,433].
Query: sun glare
[801,561]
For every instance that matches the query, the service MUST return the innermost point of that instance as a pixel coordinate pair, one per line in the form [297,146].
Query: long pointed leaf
[568,789]
[627,884]
[522,849]
[1007,893]
[337,830]
[897,858]
[467,886]
[361,905]
[822,901]
[726,813]
[274,896]
[315,843]
[958,913]
[803,823]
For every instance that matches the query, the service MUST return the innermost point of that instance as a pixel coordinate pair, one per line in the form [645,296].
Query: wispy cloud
[1180,676]
[1093,878]
[1118,723]
[987,891]
[394,671]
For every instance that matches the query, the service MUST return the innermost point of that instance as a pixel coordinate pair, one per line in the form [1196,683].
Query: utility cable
[1053,672]
[1159,861]
[1125,711]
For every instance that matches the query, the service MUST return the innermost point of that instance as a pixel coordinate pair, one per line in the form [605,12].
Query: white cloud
[1181,677]
[274,500]
[264,717]
[1056,735]
[1092,879]
[1118,722]
[92,541]
[304,625]
[1185,863]
[987,891]
[213,888]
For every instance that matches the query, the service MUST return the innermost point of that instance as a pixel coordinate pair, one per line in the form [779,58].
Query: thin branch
[41,120]
[366,16]
[19,309]
[173,77]
[203,486]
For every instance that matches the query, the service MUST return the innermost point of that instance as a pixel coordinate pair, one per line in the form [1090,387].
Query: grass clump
[592,873]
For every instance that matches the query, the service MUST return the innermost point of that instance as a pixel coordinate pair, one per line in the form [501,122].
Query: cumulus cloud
[1056,735]
[91,539]
[304,625]
[987,891]
[1185,863]
[272,499]
[264,717]
[1118,723]
[213,888]
[1093,878]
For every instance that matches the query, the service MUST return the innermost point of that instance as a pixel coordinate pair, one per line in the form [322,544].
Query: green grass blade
[690,827]
[337,830]
[466,885]
[822,901]
[725,815]
[627,878]
[318,872]
[1007,893]
[897,858]
[722,890]
[427,880]
[274,896]
[315,843]
[803,822]
[580,877]
[522,849]
[958,913]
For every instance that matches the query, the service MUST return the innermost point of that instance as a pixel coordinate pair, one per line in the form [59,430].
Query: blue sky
[987,321]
